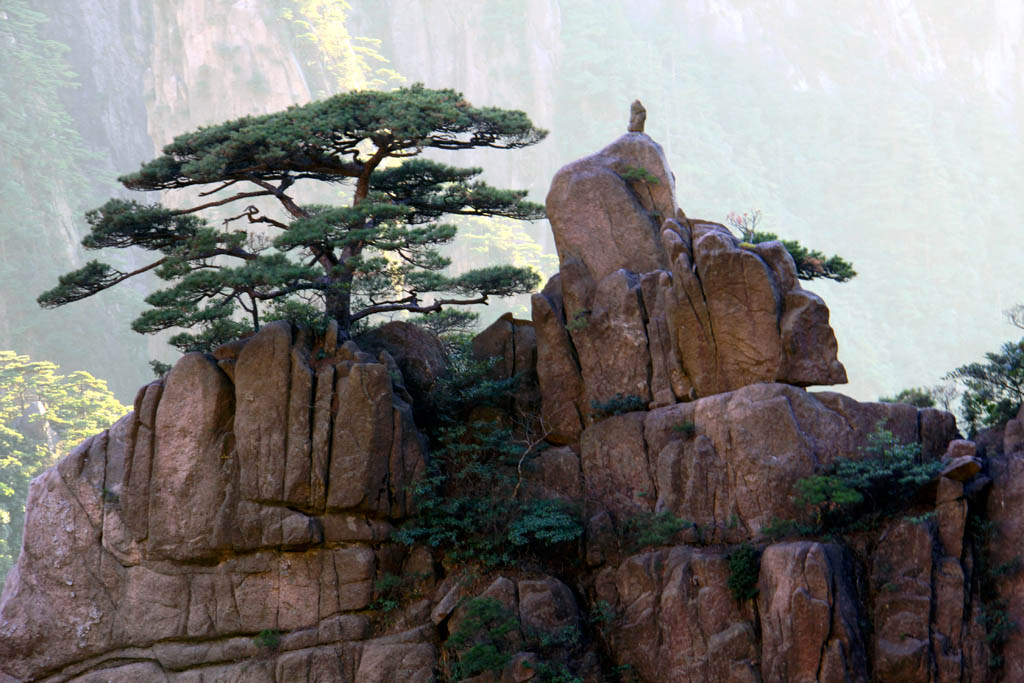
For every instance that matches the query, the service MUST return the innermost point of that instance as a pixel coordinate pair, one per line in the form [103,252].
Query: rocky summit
[245,521]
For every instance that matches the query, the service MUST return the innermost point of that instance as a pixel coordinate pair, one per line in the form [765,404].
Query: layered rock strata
[247,492]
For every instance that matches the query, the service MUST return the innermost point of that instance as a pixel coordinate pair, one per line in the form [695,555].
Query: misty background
[889,133]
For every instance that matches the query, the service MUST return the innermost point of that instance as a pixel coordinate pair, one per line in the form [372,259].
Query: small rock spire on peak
[637,116]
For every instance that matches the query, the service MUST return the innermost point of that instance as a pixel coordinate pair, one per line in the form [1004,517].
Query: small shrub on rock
[744,568]
[466,506]
[481,641]
[915,396]
[851,491]
[653,529]
[268,638]
[638,174]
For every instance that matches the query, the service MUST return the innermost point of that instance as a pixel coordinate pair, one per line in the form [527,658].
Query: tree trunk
[338,301]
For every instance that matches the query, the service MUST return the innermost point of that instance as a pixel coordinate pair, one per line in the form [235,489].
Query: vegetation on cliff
[43,414]
[811,264]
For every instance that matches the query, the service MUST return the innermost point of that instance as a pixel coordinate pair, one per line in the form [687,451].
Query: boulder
[510,345]
[606,220]
[191,461]
[1005,510]
[417,351]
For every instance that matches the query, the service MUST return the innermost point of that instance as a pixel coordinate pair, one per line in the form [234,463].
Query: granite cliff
[238,524]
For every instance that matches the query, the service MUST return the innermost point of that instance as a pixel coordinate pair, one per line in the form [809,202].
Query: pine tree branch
[416,308]
[240,195]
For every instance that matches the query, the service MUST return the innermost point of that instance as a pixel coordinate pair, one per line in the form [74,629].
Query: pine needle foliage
[377,254]
[994,389]
[468,505]
[851,492]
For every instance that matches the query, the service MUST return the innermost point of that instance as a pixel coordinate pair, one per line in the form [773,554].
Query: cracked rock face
[659,306]
[236,525]
[247,492]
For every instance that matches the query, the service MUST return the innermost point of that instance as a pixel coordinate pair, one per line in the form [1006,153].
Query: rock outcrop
[652,304]
[246,498]
[239,524]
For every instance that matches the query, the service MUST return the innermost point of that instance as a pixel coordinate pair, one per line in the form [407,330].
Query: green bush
[617,405]
[915,396]
[687,427]
[638,174]
[268,638]
[851,491]
[993,390]
[579,321]
[744,568]
[653,529]
[468,505]
[481,641]
[488,636]
[391,590]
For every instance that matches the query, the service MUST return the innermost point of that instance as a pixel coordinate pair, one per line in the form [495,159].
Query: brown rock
[191,460]
[1013,434]
[901,579]
[320,446]
[554,473]
[616,470]
[407,461]
[960,448]
[56,593]
[937,428]
[677,620]
[601,219]
[512,343]
[668,382]
[808,342]
[714,460]
[298,476]
[498,342]
[809,615]
[134,498]
[614,337]
[386,662]
[951,513]
[714,315]
[151,607]
[1005,509]
[363,434]
[118,538]
[561,384]
[637,116]
[547,605]
[744,304]
[418,352]
[262,375]
[127,673]
[962,468]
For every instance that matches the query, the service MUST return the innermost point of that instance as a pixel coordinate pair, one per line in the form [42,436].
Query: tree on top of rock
[377,254]
[810,263]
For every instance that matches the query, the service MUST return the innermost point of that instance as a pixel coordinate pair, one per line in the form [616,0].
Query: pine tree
[378,254]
